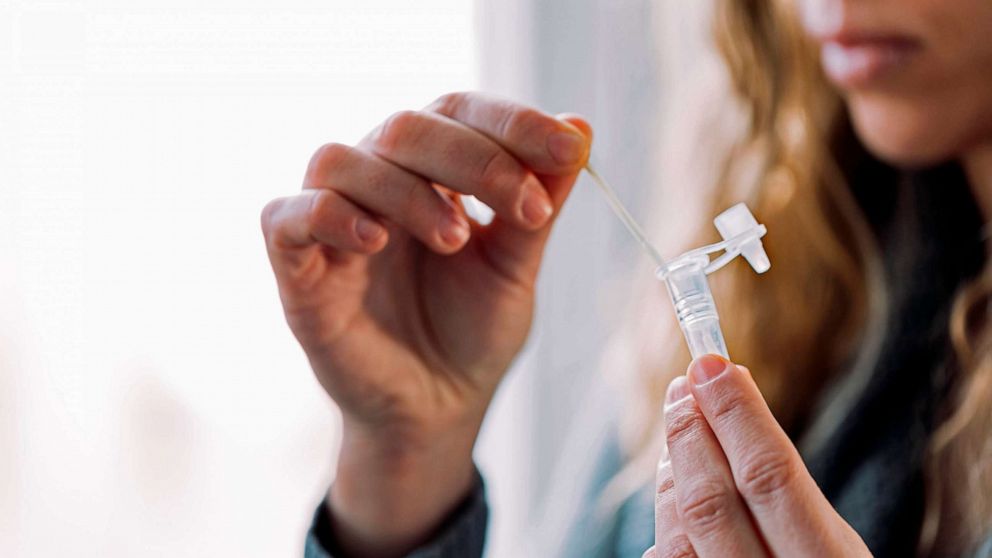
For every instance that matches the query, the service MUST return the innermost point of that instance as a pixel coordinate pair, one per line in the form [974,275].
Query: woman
[867,136]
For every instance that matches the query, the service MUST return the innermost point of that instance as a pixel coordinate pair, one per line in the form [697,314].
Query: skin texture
[936,105]
[732,483]
[410,314]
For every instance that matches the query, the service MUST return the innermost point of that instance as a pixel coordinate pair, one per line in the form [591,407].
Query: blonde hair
[781,160]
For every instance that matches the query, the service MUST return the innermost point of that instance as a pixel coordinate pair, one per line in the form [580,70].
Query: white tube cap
[738,220]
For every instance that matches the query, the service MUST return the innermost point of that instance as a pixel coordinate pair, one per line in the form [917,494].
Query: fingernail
[677,390]
[368,230]
[706,369]
[536,208]
[566,147]
[454,229]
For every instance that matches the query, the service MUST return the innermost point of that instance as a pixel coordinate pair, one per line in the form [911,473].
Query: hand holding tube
[409,312]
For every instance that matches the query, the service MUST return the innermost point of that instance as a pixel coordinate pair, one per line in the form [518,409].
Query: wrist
[395,487]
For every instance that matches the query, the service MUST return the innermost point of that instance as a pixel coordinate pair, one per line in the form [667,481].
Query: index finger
[545,144]
[792,513]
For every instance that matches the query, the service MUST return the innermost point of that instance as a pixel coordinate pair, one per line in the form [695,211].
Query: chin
[905,134]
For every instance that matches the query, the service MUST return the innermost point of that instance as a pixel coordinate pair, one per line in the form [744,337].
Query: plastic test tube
[694,306]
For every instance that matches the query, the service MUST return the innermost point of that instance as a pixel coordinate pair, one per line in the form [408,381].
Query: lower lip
[861,64]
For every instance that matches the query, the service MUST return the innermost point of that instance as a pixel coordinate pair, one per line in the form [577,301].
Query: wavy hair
[784,157]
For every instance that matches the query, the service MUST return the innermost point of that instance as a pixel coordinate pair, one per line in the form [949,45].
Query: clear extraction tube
[694,305]
[685,276]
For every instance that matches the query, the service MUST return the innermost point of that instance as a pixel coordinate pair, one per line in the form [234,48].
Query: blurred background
[152,398]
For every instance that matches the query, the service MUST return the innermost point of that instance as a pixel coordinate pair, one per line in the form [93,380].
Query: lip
[857,59]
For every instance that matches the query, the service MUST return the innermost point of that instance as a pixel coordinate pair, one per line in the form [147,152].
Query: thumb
[517,252]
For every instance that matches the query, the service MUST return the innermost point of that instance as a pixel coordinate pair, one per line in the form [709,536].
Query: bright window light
[152,399]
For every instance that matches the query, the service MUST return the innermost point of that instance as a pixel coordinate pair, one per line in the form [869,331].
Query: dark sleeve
[463,534]
[985,549]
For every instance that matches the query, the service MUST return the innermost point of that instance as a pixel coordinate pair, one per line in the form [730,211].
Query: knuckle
[520,122]
[331,155]
[321,210]
[765,476]
[396,129]
[399,195]
[268,215]
[491,169]
[449,103]
[726,406]
[682,422]
[678,547]
[704,506]
[327,157]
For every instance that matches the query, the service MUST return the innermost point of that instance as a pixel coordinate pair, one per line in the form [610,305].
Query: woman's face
[916,74]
